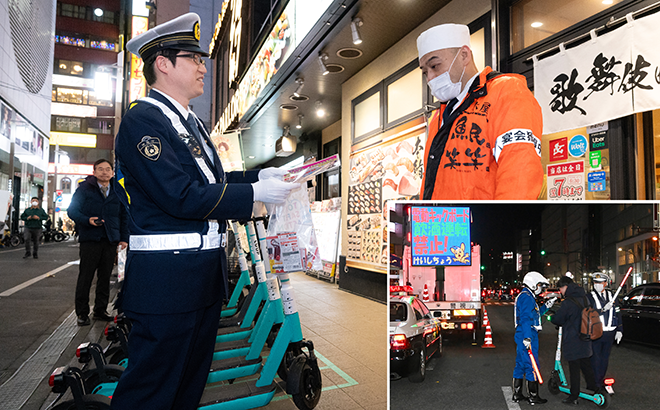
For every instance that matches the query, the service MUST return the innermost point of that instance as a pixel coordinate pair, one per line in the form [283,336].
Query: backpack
[591,328]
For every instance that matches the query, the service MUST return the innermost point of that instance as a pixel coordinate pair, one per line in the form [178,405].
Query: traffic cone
[485,316]
[425,295]
[488,337]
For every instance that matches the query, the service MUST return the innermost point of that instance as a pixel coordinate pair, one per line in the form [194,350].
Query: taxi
[415,335]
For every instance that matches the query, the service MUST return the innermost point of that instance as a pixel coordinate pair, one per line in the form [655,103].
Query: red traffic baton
[536,368]
[625,278]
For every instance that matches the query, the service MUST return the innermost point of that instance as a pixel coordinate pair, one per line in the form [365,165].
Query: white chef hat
[443,36]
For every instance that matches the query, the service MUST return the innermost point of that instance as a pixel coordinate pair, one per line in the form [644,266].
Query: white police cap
[600,277]
[181,33]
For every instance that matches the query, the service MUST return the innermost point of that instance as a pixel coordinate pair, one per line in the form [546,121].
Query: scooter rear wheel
[112,371]
[605,402]
[307,378]
[553,383]
[90,401]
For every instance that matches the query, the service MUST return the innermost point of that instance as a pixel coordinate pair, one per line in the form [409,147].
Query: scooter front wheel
[307,378]
[89,401]
[553,383]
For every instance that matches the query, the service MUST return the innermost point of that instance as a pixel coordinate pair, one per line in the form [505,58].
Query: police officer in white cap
[610,316]
[485,139]
[178,199]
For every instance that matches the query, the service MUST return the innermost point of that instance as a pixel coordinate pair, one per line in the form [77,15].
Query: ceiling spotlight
[286,144]
[300,118]
[250,156]
[322,58]
[536,24]
[320,112]
[355,23]
[301,84]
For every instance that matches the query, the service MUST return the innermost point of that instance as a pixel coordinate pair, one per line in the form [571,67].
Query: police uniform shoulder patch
[149,147]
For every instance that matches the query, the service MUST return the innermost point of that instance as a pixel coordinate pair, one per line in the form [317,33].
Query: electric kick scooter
[559,383]
[66,377]
[103,377]
[244,281]
[303,374]
[117,334]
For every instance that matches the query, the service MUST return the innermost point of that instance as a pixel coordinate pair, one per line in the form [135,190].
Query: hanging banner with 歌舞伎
[607,77]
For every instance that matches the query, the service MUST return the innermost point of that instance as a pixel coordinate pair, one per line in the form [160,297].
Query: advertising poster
[389,171]
[566,181]
[440,236]
[228,147]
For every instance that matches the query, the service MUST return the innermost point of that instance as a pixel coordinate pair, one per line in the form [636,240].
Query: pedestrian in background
[575,350]
[103,225]
[34,217]
[527,320]
[610,316]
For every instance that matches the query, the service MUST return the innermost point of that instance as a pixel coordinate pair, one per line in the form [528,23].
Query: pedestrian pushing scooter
[559,383]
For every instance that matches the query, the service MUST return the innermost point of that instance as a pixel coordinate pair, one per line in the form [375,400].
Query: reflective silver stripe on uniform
[608,296]
[165,242]
[181,129]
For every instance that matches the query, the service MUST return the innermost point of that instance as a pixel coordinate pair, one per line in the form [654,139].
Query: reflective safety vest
[607,318]
[487,148]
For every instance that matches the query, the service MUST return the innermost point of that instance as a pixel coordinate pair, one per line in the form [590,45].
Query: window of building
[404,94]
[65,185]
[68,124]
[366,114]
[72,95]
[101,103]
[70,41]
[534,20]
[72,10]
[99,126]
[70,67]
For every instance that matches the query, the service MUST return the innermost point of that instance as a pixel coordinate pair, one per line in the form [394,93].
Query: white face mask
[35,203]
[443,88]
[599,287]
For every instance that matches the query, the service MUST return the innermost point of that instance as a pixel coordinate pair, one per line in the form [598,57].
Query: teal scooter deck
[239,396]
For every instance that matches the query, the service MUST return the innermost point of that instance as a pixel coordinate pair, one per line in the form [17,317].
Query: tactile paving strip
[20,386]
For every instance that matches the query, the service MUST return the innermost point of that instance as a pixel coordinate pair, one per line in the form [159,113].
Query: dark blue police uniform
[178,200]
[528,324]
[602,347]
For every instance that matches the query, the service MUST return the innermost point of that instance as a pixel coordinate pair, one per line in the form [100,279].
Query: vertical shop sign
[559,149]
[566,181]
[138,85]
[607,77]
[441,236]
[577,146]
[596,181]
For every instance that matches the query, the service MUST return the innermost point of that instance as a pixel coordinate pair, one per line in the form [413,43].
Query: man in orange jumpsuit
[484,142]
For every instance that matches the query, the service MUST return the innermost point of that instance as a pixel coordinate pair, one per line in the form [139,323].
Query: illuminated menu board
[440,236]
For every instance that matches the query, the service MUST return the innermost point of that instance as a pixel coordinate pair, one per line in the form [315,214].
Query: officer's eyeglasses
[195,57]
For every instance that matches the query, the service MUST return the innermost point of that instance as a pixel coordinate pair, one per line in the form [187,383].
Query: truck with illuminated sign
[442,255]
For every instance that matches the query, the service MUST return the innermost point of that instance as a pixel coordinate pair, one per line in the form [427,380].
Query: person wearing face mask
[610,316]
[527,320]
[484,142]
[34,217]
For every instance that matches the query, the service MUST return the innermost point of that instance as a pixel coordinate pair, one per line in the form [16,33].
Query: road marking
[32,281]
[508,397]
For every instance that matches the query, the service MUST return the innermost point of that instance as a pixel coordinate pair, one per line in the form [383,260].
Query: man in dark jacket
[574,349]
[102,225]
[34,218]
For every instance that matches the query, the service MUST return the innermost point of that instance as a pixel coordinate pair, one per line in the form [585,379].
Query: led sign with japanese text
[138,85]
[440,236]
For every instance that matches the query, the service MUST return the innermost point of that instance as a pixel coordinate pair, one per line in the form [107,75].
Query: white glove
[527,343]
[618,336]
[608,306]
[272,172]
[272,190]
[550,302]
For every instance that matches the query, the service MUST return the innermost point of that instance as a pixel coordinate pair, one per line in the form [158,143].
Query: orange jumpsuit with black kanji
[489,147]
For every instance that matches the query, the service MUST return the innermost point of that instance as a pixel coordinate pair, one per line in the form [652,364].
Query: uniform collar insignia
[149,147]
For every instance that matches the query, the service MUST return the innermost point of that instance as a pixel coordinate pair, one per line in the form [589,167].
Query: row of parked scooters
[261,313]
